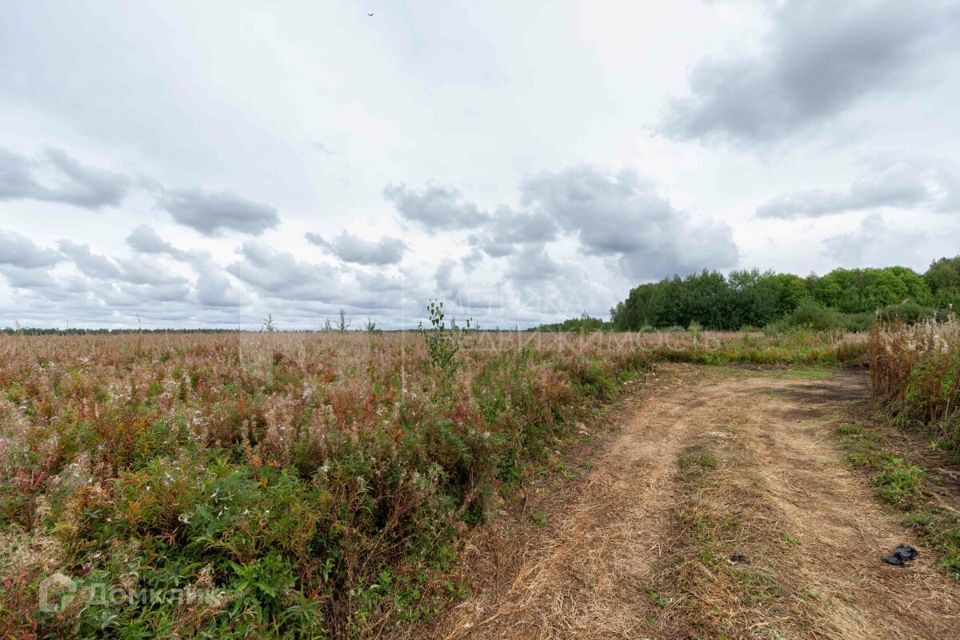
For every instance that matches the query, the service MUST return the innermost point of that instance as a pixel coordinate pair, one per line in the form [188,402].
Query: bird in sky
[370,14]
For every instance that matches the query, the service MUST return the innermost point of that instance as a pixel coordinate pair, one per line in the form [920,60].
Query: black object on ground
[902,554]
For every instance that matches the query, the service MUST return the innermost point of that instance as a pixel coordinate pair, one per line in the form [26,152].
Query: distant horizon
[318,325]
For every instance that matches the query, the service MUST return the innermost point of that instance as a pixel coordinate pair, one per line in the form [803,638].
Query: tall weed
[915,370]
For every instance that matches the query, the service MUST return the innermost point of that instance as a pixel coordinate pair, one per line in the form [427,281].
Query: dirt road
[720,508]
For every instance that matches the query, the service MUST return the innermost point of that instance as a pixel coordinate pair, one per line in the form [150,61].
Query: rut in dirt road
[720,508]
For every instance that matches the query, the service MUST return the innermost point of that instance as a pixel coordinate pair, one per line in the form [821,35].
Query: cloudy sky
[207,163]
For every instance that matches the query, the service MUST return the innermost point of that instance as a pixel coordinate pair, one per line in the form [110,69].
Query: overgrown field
[915,370]
[286,484]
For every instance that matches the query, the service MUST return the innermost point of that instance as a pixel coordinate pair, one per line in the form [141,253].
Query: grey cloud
[57,177]
[213,287]
[460,294]
[89,263]
[382,291]
[378,289]
[820,202]
[83,186]
[145,240]
[26,278]
[436,208]
[439,208]
[901,184]
[213,213]
[129,271]
[351,248]
[532,263]
[622,216]
[170,291]
[148,273]
[872,242]
[18,251]
[444,275]
[473,259]
[133,297]
[947,178]
[820,58]
[16,177]
[279,274]
[508,229]
[42,300]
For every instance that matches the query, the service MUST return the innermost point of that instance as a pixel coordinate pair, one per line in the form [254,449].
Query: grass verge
[912,482]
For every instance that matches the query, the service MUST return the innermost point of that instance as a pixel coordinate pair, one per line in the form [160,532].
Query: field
[341,484]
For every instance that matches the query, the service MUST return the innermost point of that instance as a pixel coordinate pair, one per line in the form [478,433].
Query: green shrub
[811,316]
[900,481]
[909,312]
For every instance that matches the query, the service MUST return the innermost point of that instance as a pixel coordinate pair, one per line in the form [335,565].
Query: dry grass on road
[720,508]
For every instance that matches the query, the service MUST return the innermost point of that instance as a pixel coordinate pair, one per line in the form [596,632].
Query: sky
[204,164]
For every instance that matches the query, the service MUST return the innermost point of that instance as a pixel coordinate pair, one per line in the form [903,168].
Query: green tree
[755,298]
[943,279]
[761,298]
[860,290]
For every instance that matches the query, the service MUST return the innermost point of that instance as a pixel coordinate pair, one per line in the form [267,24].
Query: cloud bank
[818,60]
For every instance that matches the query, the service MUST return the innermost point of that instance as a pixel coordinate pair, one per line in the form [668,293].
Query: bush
[910,312]
[813,317]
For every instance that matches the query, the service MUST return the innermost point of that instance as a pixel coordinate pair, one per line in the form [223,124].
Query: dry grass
[915,370]
[320,481]
[721,579]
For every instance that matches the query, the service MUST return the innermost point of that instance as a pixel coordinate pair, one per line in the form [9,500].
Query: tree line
[843,298]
